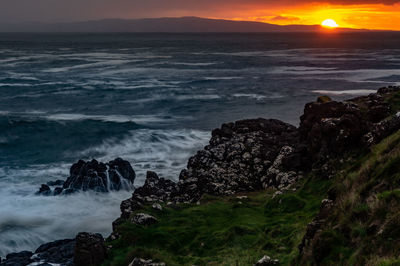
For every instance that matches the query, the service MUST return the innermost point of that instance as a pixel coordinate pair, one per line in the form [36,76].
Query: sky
[369,14]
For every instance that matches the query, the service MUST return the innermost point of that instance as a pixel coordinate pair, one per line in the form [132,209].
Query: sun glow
[330,23]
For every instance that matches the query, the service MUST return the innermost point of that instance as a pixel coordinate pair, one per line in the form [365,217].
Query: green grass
[364,226]
[223,231]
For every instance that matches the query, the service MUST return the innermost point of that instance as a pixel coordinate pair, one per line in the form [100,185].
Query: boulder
[143,262]
[90,250]
[266,261]
[144,219]
[18,259]
[157,207]
[97,176]
[44,190]
[57,252]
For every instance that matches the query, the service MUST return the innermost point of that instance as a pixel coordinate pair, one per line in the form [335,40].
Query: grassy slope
[363,229]
[226,231]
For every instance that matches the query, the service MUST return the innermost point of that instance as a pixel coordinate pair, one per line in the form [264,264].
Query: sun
[330,23]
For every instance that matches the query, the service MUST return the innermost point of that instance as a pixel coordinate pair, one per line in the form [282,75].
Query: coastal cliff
[325,193]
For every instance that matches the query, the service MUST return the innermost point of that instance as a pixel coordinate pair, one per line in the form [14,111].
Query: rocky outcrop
[93,175]
[89,250]
[18,259]
[331,128]
[240,157]
[58,253]
[244,156]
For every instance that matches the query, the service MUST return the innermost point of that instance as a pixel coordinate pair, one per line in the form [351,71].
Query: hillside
[183,24]
[343,211]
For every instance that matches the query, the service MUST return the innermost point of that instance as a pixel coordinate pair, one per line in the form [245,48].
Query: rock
[57,252]
[89,250]
[55,183]
[18,259]
[324,99]
[157,206]
[142,262]
[57,191]
[266,261]
[44,190]
[144,219]
[331,128]
[97,176]
[237,158]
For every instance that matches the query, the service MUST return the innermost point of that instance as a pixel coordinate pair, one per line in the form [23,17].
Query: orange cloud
[365,16]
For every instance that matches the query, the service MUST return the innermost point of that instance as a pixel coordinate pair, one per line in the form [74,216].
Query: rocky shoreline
[244,156]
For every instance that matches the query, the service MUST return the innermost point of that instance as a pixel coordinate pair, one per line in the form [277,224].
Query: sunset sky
[371,14]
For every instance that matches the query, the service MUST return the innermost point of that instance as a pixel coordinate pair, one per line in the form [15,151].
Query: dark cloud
[67,10]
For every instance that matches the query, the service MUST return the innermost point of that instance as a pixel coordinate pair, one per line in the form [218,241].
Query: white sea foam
[27,220]
[194,64]
[222,78]
[163,151]
[140,119]
[91,65]
[343,92]
[196,97]
[258,97]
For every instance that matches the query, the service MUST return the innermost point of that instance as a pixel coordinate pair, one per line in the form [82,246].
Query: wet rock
[18,259]
[266,261]
[57,191]
[114,175]
[44,190]
[143,262]
[55,183]
[89,250]
[57,252]
[144,219]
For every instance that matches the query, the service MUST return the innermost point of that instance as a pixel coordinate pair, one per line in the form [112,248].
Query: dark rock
[57,191]
[238,159]
[69,191]
[55,183]
[144,219]
[57,252]
[44,190]
[89,250]
[18,259]
[97,176]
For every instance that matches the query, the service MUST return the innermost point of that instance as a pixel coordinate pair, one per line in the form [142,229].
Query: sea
[151,99]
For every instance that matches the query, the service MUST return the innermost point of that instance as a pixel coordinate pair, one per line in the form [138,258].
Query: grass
[223,231]
[364,226]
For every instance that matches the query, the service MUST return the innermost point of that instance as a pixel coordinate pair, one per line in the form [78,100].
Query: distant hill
[183,24]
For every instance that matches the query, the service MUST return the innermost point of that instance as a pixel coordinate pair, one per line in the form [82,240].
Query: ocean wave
[194,64]
[27,221]
[343,92]
[138,119]
[257,97]
[90,65]
[163,151]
